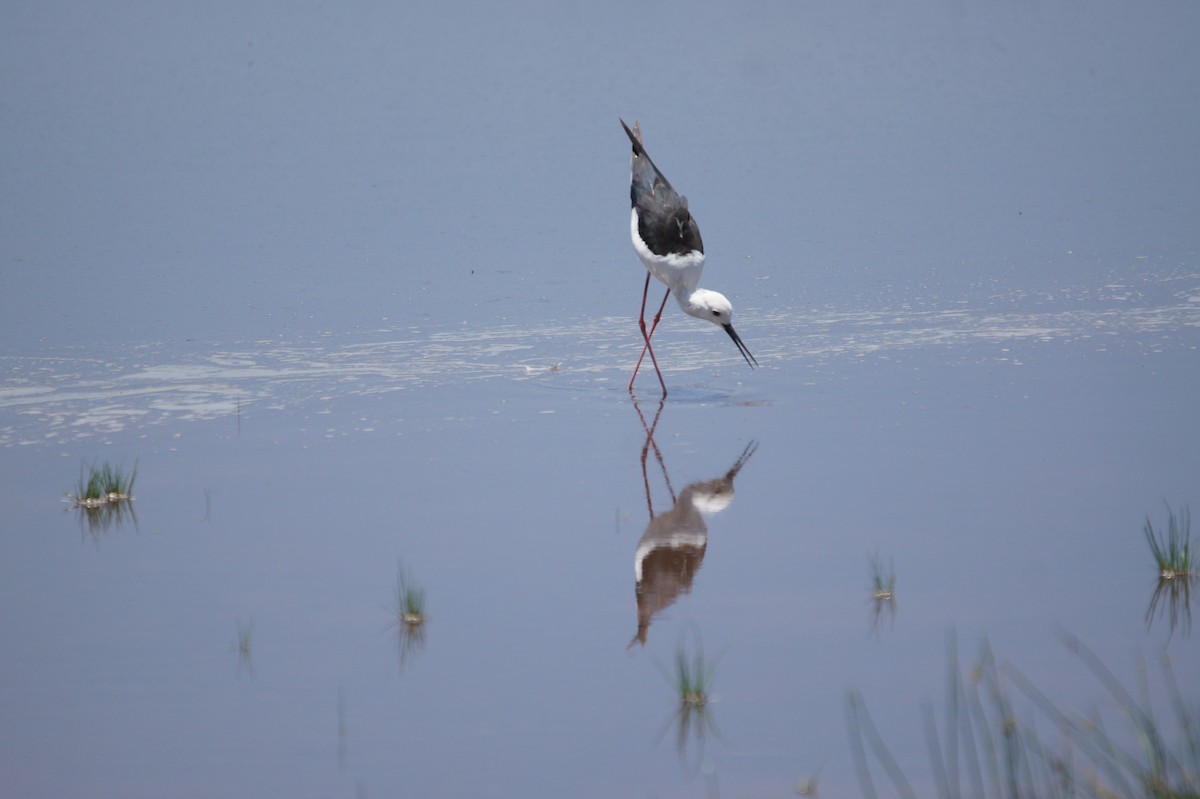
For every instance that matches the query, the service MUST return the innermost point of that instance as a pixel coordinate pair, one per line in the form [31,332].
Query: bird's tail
[635,136]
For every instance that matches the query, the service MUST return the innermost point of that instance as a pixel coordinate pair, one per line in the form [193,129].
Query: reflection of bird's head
[713,501]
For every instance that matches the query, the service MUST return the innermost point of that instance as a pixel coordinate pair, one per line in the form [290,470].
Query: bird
[667,240]
[672,548]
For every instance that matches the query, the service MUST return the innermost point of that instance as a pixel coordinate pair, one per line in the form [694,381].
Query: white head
[714,307]
[711,306]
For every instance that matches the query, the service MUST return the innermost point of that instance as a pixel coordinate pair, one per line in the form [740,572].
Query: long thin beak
[741,346]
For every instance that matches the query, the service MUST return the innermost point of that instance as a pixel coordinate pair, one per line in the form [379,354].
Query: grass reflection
[808,786]
[1177,569]
[408,615]
[987,749]
[103,498]
[244,646]
[691,679]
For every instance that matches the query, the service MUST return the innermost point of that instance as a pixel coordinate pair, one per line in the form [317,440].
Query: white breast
[680,273]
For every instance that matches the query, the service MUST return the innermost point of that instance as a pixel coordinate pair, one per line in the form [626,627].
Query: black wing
[664,222]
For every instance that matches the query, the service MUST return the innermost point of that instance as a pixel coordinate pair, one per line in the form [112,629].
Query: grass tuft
[410,599]
[1172,550]
[408,614]
[1177,569]
[883,592]
[691,680]
[103,495]
[101,484]
[987,749]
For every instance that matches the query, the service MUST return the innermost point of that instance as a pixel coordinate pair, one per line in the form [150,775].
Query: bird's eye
[716,313]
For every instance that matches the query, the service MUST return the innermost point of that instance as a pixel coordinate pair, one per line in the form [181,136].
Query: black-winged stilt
[672,548]
[667,241]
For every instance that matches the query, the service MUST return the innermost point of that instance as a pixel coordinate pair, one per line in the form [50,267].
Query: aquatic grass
[862,731]
[245,639]
[104,483]
[1177,569]
[410,599]
[244,646]
[691,680]
[883,592]
[103,496]
[408,615]
[1172,550]
[987,749]
[1141,762]
[808,786]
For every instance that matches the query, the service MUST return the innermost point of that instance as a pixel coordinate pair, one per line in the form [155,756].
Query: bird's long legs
[646,336]
[650,443]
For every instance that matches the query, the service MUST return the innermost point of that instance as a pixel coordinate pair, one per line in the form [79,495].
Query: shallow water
[349,321]
[1003,467]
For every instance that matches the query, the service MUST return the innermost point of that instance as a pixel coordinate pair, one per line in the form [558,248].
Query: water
[356,288]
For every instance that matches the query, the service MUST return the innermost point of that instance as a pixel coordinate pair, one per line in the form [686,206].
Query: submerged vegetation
[1177,569]
[103,496]
[987,749]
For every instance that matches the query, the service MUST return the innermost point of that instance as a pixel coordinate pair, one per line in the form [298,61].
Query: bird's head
[711,306]
[714,307]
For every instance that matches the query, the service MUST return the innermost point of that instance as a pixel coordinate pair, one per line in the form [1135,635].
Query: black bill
[741,347]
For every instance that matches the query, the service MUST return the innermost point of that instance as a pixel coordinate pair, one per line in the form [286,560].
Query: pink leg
[646,336]
[654,360]
[642,325]
[653,327]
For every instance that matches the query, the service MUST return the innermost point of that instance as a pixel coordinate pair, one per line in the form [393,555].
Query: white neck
[693,304]
[701,303]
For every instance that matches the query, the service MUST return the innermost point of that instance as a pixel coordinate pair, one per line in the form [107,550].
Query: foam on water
[74,394]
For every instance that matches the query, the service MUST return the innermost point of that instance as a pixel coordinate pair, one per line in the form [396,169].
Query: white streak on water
[75,394]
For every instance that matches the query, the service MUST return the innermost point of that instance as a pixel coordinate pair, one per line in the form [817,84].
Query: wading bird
[667,240]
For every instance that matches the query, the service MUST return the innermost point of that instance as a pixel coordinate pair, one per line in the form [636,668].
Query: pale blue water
[354,286]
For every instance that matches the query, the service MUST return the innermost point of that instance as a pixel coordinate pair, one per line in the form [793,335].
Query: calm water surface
[355,290]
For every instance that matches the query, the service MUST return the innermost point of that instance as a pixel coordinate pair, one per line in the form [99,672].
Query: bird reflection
[672,548]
